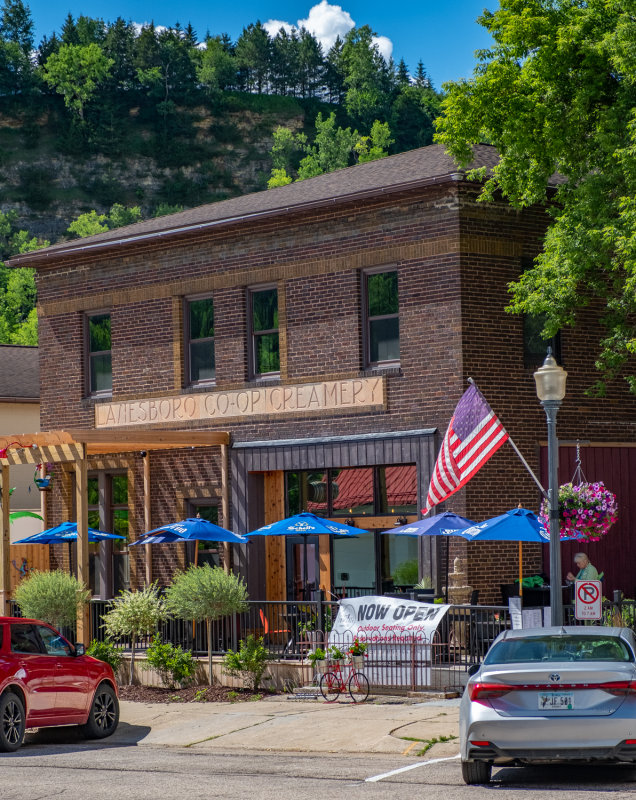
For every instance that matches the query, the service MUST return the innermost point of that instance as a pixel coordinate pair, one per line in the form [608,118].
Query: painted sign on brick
[357,393]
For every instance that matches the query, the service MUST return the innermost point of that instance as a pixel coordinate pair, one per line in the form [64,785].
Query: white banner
[377,619]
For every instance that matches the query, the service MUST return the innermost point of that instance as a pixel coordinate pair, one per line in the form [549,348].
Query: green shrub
[405,574]
[248,663]
[106,651]
[53,597]
[174,665]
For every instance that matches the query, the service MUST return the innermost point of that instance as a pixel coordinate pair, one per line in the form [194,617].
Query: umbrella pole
[196,552]
[306,572]
[447,568]
[520,569]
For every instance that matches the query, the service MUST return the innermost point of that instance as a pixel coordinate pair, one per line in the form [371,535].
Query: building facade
[330,327]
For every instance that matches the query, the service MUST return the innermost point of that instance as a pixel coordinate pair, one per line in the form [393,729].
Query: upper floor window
[382,324]
[535,347]
[200,337]
[99,355]
[265,356]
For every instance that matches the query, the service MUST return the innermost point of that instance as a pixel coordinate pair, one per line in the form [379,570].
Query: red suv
[45,681]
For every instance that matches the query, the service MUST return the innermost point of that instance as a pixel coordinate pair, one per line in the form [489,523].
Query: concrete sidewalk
[383,726]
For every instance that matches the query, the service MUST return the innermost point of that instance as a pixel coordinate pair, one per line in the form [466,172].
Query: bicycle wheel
[359,687]
[330,686]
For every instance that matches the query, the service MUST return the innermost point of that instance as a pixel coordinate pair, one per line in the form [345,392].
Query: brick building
[329,326]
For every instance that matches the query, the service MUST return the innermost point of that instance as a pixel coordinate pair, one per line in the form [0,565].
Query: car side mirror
[80,649]
[473,668]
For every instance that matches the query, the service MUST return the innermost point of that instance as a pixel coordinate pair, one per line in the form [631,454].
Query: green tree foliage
[206,593]
[91,222]
[75,72]
[53,597]
[16,25]
[333,148]
[133,615]
[366,77]
[253,57]
[556,93]
[217,66]
[18,318]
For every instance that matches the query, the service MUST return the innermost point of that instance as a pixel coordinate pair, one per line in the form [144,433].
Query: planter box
[320,666]
[358,662]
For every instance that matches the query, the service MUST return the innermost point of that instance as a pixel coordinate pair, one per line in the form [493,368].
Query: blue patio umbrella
[517,525]
[306,524]
[66,532]
[191,529]
[446,524]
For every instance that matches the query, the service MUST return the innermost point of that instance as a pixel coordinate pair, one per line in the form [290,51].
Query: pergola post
[5,544]
[81,505]
[225,504]
[147,517]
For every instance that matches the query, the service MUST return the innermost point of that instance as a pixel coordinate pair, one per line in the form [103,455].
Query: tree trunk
[209,621]
[132,660]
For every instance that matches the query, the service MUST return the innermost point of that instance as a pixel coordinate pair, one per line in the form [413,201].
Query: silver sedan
[550,695]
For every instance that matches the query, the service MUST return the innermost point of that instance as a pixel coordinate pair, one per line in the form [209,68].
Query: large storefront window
[354,491]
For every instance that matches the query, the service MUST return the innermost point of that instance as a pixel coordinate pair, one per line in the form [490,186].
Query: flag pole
[517,451]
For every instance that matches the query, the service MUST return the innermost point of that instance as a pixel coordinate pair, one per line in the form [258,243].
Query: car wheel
[12,722]
[476,772]
[104,714]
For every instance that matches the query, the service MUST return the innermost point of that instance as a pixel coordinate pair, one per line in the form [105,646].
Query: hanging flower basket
[586,511]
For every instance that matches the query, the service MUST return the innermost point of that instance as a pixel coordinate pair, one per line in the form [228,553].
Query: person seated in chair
[587,571]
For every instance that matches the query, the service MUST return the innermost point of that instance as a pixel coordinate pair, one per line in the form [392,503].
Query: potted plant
[336,656]
[586,511]
[318,660]
[356,652]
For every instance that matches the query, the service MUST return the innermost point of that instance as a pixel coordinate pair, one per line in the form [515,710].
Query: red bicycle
[334,683]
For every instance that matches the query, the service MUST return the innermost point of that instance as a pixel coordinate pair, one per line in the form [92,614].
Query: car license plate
[556,700]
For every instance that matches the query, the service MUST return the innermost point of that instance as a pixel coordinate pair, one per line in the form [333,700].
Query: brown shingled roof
[421,166]
[19,372]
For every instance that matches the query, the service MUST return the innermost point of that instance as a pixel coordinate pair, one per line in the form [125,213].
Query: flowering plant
[586,510]
[358,648]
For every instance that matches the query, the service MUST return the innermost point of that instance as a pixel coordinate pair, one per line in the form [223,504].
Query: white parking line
[377,778]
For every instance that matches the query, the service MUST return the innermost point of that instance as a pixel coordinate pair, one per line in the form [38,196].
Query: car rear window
[572,647]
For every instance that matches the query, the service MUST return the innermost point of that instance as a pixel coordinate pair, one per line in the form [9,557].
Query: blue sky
[444,35]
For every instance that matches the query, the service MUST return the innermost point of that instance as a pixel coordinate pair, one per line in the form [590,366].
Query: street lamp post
[550,380]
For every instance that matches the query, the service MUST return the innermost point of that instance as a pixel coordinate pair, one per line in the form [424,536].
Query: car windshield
[573,647]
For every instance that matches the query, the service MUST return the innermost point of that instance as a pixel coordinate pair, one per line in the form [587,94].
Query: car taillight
[482,690]
[619,687]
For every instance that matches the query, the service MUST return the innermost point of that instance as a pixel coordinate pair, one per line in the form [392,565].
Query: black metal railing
[291,629]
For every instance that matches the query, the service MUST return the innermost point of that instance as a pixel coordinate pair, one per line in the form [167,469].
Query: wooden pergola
[76,447]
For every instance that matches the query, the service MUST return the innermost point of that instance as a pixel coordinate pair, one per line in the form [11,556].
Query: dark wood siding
[615,553]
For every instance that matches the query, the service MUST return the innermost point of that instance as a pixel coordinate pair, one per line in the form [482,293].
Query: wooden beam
[147,526]
[81,504]
[225,504]
[151,439]
[5,545]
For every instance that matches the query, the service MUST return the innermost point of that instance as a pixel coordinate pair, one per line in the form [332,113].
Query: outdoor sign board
[397,628]
[588,600]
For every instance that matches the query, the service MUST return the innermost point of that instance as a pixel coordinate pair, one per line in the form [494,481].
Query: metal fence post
[318,597]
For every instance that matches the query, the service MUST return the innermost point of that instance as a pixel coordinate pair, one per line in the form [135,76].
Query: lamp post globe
[550,381]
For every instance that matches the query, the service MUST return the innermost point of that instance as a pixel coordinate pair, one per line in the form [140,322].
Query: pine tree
[16,25]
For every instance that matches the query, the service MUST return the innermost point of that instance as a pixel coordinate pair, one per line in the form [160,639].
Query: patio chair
[275,637]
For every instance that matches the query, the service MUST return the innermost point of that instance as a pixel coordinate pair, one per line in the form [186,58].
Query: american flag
[474,434]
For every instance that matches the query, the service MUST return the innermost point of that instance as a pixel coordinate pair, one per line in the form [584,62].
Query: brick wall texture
[454,258]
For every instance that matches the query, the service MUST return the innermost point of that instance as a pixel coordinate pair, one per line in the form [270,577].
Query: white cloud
[272,26]
[138,26]
[385,46]
[327,22]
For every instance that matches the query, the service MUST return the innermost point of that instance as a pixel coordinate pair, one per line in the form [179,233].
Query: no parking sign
[588,600]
